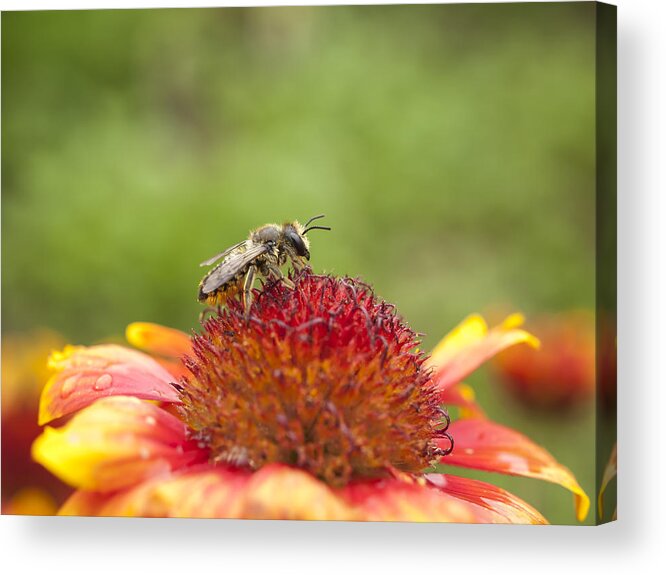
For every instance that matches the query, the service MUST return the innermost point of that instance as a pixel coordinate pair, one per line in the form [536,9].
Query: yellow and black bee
[263,252]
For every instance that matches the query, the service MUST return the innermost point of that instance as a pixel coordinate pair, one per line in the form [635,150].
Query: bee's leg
[275,270]
[298,264]
[247,289]
[206,311]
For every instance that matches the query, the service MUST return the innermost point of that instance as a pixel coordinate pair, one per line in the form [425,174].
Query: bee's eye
[297,241]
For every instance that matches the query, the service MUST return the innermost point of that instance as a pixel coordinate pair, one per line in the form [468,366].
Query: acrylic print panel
[444,352]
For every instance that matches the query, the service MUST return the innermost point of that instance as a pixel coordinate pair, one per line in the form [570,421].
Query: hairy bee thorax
[285,237]
[267,233]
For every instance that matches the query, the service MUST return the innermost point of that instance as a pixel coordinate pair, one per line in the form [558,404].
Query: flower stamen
[324,376]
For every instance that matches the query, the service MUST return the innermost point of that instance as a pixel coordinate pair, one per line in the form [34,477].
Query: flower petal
[165,344]
[483,444]
[158,340]
[406,499]
[281,492]
[463,397]
[85,503]
[494,505]
[30,501]
[204,492]
[84,374]
[470,344]
[609,473]
[274,492]
[113,443]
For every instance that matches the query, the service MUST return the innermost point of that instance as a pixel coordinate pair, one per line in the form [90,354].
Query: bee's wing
[221,254]
[234,263]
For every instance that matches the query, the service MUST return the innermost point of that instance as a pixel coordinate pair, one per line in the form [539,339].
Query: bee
[264,251]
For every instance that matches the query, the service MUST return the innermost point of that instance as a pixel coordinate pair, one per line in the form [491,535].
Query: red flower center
[325,376]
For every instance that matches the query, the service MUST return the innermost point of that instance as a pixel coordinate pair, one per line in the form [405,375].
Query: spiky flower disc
[325,377]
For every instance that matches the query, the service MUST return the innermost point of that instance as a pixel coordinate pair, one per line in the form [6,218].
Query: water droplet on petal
[150,420]
[144,453]
[68,386]
[103,382]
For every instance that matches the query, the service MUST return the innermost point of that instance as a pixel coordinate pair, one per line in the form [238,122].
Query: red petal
[114,443]
[482,444]
[492,504]
[85,374]
[470,344]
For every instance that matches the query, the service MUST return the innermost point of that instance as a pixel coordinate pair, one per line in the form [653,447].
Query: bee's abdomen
[220,295]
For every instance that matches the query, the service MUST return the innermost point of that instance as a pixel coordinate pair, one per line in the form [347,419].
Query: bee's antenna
[315,228]
[319,217]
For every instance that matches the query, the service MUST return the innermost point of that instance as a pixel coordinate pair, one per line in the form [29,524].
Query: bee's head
[295,235]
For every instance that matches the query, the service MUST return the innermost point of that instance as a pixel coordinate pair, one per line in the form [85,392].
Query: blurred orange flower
[27,488]
[319,405]
[560,375]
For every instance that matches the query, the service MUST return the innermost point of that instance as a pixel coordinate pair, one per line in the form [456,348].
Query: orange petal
[84,374]
[176,495]
[609,473]
[113,443]
[406,499]
[471,344]
[492,504]
[158,340]
[274,492]
[281,492]
[482,444]
[85,503]
[205,492]
[30,501]
[168,345]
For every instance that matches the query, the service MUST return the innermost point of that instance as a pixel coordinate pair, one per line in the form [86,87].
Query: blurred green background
[451,148]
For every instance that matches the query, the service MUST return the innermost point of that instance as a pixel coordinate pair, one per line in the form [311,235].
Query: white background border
[634,544]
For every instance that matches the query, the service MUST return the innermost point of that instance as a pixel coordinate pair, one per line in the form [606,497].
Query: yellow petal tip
[582,506]
[134,333]
[532,340]
[158,339]
[44,414]
[513,321]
